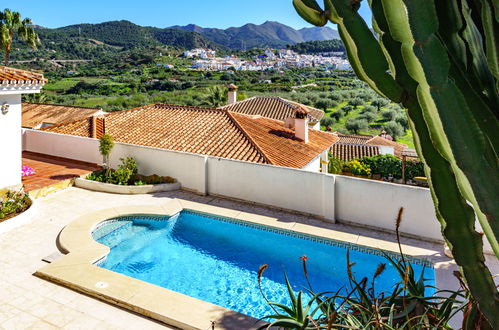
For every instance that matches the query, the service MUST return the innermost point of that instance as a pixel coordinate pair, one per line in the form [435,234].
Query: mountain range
[268,34]
[127,34]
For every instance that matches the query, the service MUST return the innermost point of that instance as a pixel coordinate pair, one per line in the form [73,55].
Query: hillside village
[284,58]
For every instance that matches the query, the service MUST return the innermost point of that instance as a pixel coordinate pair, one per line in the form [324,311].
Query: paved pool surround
[77,269]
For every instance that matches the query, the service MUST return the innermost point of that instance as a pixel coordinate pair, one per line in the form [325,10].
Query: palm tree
[216,96]
[11,24]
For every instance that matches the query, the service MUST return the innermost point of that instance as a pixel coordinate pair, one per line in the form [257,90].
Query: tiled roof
[278,143]
[12,76]
[398,148]
[353,138]
[35,114]
[272,107]
[207,131]
[347,152]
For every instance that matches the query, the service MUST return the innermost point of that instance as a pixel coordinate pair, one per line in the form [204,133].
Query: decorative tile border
[286,232]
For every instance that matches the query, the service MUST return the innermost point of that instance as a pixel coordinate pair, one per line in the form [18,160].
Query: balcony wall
[359,201]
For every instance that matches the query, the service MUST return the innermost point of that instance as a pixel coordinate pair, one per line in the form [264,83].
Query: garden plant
[409,305]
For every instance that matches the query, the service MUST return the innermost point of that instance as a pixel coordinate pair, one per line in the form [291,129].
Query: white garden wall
[66,146]
[360,201]
[376,203]
[292,189]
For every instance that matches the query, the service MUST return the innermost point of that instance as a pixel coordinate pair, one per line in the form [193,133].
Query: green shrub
[389,165]
[106,144]
[357,168]
[414,169]
[335,165]
[127,175]
[13,203]
[385,165]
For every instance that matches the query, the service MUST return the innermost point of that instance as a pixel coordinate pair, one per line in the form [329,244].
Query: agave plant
[439,59]
[409,305]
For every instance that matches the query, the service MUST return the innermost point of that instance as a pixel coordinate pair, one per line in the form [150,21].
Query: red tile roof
[212,132]
[279,144]
[13,76]
[353,138]
[272,107]
[361,139]
[35,114]
[347,152]
[398,148]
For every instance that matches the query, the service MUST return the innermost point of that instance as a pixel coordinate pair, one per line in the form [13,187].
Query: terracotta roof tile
[278,143]
[35,114]
[353,138]
[398,148]
[207,131]
[17,76]
[272,107]
[347,152]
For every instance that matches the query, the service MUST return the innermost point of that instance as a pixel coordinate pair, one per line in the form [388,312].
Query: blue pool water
[217,260]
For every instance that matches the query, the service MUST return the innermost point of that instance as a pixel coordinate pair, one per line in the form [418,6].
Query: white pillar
[11,137]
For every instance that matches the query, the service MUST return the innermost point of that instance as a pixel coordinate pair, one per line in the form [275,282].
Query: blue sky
[163,13]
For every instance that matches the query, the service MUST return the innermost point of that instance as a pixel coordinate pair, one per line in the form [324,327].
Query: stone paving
[27,302]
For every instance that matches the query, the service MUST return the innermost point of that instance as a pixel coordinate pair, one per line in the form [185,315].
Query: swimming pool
[216,259]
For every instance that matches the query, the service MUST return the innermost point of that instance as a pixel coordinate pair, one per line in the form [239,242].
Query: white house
[13,83]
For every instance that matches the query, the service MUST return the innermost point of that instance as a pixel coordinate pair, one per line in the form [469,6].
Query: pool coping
[77,269]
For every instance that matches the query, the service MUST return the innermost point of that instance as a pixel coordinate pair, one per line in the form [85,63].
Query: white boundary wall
[360,201]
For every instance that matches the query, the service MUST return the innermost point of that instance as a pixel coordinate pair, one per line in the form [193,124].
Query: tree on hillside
[369,116]
[337,114]
[439,60]
[323,104]
[401,119]
[356,125]
[11,25]
[346,109]
[394,129]
[379,103]
[389,114]
[356,102]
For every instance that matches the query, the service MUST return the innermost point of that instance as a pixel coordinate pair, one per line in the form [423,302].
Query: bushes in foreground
[386,166]
[127,175]
[13,203]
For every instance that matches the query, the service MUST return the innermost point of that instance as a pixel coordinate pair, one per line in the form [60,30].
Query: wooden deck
[50,170]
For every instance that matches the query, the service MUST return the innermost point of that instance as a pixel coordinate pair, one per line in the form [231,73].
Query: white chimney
[301,129]
[232,93]
[301,123]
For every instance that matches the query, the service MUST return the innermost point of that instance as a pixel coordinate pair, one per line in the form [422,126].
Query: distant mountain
[126,34]
[89,41]
[268,34]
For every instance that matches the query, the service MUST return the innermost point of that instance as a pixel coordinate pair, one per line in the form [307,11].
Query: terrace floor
[50,170]
[28,302]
